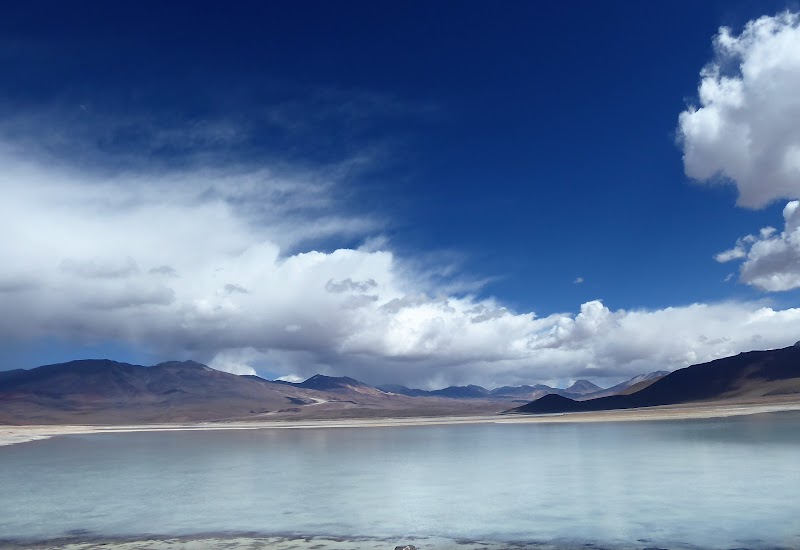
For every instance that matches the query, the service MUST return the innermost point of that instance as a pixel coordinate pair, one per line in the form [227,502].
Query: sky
[425,193]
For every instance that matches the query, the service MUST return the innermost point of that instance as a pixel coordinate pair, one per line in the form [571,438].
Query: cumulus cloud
[194,263]
[745,128]
[235,361]
[771,261]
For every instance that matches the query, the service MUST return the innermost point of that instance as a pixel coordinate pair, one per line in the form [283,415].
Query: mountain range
[750,376]
[101,391]
[581,389]
[110,392]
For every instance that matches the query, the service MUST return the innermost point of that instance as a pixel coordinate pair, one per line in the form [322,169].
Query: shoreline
[297,541]
[16,434]
[254,541]
[259,541]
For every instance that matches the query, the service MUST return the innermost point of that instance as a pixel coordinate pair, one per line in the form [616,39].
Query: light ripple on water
[719,483]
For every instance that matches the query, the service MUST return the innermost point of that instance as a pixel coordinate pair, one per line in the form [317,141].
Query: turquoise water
[709,483]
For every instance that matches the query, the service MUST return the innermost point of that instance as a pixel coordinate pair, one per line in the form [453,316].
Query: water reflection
[715,483]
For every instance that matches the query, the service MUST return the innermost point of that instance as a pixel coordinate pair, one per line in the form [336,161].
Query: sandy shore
[10,435]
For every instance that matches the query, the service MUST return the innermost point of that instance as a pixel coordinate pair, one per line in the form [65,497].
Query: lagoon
[712,483]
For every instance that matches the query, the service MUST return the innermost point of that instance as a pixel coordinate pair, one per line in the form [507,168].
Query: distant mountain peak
[458,392]
[583,386]
[183,364]
[648,376]
[323,382]
[402,390]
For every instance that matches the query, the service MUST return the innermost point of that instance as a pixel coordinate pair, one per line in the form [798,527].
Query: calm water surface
[711,483]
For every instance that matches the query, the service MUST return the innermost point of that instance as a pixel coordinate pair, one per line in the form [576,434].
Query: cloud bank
[215,264]
[745,129]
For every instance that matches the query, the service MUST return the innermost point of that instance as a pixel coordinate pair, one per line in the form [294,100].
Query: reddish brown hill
[107,392]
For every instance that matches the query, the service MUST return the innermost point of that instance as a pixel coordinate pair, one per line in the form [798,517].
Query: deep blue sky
[532,142]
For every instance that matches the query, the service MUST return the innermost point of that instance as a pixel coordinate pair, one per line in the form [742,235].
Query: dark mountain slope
[747,375]
[639,386]
[462,392]
[94,378]
[630,386]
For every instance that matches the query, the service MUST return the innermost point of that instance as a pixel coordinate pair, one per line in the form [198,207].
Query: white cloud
[746,130]
[736,253]
[771,262]
[746,127]
[578,280]
[235,361]
[291,378]
[195,263]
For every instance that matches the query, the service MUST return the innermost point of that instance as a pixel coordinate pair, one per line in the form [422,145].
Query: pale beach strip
[11,434]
